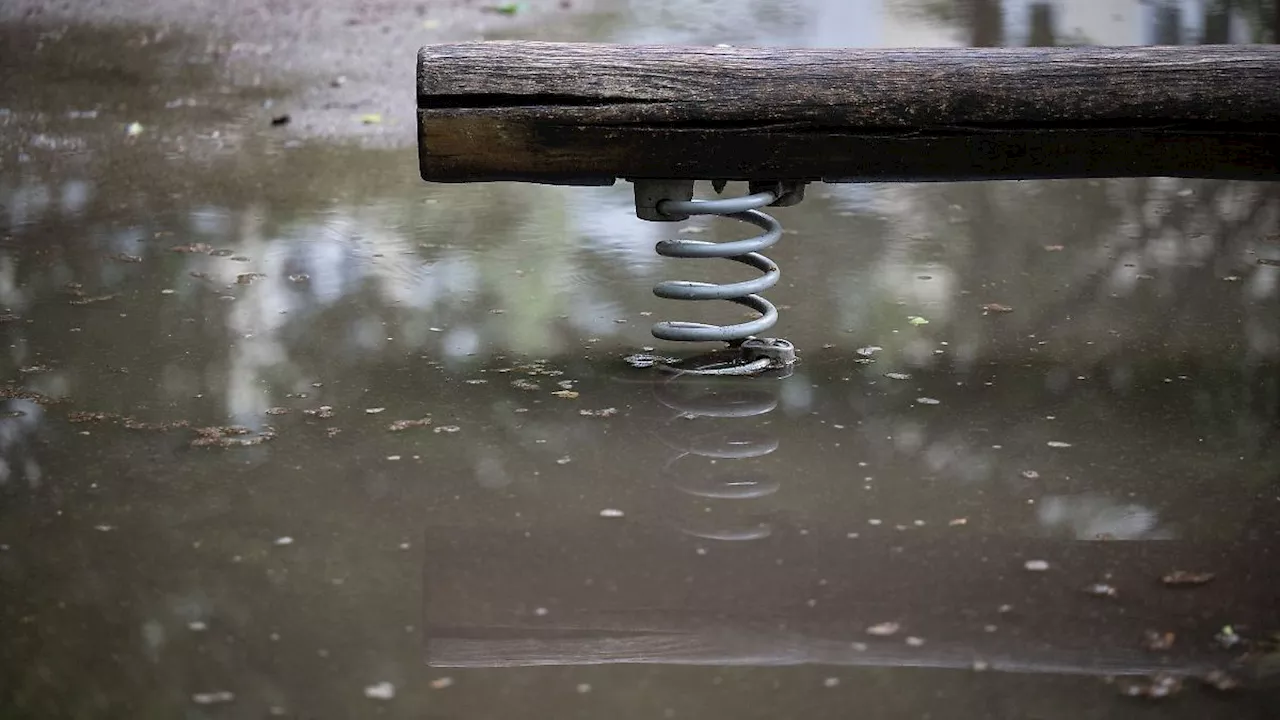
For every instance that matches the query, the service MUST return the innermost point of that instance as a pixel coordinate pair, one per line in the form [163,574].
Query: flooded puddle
[285,431]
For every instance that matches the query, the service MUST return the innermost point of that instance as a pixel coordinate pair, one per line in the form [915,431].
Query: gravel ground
[338,60]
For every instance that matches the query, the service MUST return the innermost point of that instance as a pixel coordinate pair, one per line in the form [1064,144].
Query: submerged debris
[248,278]
[125,258]
[299,278]
[602,412]
[1183,578]
[566,394]
[277,411]
[1036,565]
[12,392]
[995,308]
[399,425]
[1227,637]
[324,411]
[898,375]
[133,424]
[523,384]
[611,513]
[380,691]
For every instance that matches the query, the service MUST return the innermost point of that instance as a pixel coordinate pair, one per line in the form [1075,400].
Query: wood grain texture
[590,113]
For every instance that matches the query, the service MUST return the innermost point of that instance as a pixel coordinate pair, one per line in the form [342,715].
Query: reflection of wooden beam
[628,593]
[587,113]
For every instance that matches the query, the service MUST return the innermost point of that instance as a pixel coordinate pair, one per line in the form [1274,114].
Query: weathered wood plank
[589,113]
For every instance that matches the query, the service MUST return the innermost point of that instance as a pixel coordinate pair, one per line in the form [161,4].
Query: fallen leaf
[399,425]
[1183,578]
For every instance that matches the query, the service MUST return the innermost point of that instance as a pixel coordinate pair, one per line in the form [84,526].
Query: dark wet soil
[286,432]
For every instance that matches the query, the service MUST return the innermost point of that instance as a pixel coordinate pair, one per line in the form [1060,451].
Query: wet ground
[287,432]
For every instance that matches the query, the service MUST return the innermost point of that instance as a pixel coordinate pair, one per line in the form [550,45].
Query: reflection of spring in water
[727,481]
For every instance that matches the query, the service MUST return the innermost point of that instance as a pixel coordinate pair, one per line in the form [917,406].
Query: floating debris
[213,698]
[898,375]
[868,350]
[33,369]
[104,528]
[125,258]
[915,641]
[286,540]
[324,411]
[447,429]
[1183,578]
[1030,474]
[1219,680]
[248,278]
[611,513]
[229,436]
[928,401]
[299,278]
[956,522]
[197,626]
[566,394]
[523,384]
[91,299]
[602,412]
[82,416]
[1058,444]
[641,361]
[380,691]
[1157,688]
[831,682]
[193,249]
[917,320]
[884,629]
[1053,248]
[1101,590]
[399,425]
[9,317]
[374,410]
[1227,637]
[331,432]
[1158,641]
[995,308]
[277,411]
[1036,565]
[440,683]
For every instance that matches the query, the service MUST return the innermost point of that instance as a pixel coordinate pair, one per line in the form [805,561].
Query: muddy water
[287,432]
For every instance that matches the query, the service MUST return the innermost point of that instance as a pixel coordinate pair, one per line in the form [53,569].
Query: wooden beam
[593,113]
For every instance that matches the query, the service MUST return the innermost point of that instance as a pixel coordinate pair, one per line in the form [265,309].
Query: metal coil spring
[746,251]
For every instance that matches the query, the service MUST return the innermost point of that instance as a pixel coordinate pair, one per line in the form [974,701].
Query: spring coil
[745,251]
[732,490]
